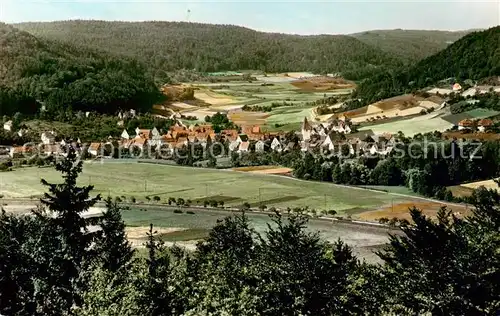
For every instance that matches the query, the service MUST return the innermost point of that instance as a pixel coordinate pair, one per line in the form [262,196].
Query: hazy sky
[301,17]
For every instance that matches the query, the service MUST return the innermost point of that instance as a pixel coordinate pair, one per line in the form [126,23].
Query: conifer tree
[67,202]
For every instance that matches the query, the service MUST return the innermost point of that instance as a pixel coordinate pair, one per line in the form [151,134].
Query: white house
[328,143]
[244,147]
[276,145]
[48,138]
[7,126]
[233,146]
[260,146]
[125,134]
[22,132]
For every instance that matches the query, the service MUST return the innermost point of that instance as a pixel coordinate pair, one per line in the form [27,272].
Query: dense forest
[475,56]
[62,77]
[410,45]
[167,46]
[51,263]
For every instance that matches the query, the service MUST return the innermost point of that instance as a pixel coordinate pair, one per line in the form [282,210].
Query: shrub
[393,222]
[246,205]
[190,212]
[332,212]
[132,199]
[214,203]
[205,203]
[262,207]
[118,199]
[383,220]
[156,198]
[177,211]
[221,203]
[180,201]
[171,200]
[148,198]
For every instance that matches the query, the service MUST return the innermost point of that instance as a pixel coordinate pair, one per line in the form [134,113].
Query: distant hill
[411,45]
[475,56]
[167,46]
[35,71]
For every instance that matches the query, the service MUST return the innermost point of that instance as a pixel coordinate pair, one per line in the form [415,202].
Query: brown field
[401,211]
[480,136]
[213,98]
[248,118]
[404,105]
[264,169]
[323,84]
[253,168]
[460,191]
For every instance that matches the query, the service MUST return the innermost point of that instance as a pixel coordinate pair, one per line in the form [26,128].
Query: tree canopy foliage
[35,72]
[52,264]
[410,45]
[167,46]
[475,56]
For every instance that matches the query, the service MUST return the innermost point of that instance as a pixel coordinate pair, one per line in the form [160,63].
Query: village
[327,136]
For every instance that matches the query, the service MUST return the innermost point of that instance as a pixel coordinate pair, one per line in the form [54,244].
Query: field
[420,124]
[294,89]
[264,169]
[400,211]
[185,229]
[466,189]
[141,180]
[472,114]
[399,106]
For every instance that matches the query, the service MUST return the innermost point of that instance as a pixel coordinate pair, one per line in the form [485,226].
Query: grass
[478,113]
[410,127]
[140,180]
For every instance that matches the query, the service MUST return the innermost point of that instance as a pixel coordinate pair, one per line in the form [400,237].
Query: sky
[297,17]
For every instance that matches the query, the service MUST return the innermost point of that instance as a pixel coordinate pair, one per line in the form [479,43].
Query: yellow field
[213,98]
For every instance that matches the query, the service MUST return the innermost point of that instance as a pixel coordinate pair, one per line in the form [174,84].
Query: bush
[190,212]
[171,200]
[246,205]
[177,211]
[148,198]
[205,203]
[118,199]
[262,207]
[393,222]
[383,220]
[156,198]
[214,203]
[180,201]
[332,212]
[132,199]
[221,204]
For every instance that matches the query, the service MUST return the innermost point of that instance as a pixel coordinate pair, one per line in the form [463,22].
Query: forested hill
[475,56]
[35,71]
[167,46]
[411,45]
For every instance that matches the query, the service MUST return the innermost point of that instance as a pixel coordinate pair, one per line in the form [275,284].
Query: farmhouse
[144,133]
[260,146]
[484,124]
[8,126]
[95,149]
[48,138]
[276,145]
[244,147]
[125,134]
[465,124]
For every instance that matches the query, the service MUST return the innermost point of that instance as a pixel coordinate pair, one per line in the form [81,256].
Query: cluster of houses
[325,136]
[472,125]
[335,133]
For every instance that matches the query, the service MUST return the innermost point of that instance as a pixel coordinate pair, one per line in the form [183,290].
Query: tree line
[51,263]
[169,46]
[475,56]
[43,74]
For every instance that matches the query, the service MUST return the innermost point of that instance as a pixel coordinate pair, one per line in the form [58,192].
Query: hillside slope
[411,45]
[167,46]
[475,56]
[64,76]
